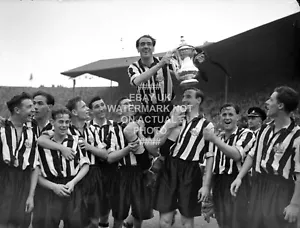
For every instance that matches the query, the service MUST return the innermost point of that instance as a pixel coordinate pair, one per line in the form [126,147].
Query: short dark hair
[59,110]
[50,99]
[236,107]
[72,103]
[16,101]
[120,100]
[288,96]
[199,93]
[137,43]
[96,98]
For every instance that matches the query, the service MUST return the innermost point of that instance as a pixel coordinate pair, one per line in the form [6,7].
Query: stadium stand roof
[263,53]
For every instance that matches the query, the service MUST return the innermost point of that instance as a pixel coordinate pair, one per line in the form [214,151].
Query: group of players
[59,164]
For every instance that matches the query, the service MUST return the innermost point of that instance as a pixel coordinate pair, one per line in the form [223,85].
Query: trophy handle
[176,63]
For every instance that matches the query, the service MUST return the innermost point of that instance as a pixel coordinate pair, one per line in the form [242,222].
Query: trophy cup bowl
[187,71]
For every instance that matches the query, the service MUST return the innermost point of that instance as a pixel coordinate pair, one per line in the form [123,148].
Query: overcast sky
[46,37]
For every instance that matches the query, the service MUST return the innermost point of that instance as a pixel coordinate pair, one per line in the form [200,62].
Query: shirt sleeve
[133,72]
[297,155]
[210,149]
[252,150]
[38,162]
[113,140]
[49,133]
[245,143]
[36,155]
[83,158]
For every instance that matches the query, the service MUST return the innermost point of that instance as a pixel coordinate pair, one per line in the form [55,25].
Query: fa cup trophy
[183,59]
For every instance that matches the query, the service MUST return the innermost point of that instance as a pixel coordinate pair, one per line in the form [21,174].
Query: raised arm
[170,129]
[236,152]
[45,141]
[115,153]
[98,148]
[136,78]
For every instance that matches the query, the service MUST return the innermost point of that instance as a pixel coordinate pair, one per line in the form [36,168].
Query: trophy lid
[186,46]
[183,44]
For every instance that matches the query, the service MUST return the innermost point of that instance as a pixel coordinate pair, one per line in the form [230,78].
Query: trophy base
[189,82]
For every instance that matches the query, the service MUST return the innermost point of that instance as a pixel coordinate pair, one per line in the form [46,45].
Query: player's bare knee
[104,219]
[137,223]
[165,220]
[187,222]
[94,221]
[118,223]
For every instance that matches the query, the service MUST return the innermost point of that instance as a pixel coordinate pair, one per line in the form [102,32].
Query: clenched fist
[208,134]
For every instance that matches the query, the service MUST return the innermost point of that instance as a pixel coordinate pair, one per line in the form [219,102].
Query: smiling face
[25,111]
[61,124]
[229,118]
[145,47]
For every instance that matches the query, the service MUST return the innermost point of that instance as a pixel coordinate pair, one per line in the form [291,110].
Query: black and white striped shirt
[242,139]
[129,159]
[107,137]
[105,133]
[18,153]
[190,144]
[54,165]
[91,136]
[159,88]
[36,129]
[256,132]
[277,153]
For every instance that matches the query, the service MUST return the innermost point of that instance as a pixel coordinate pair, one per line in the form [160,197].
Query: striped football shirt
[277,153]
[54,165]
[159,88]
[18,153]
[242,139]
[190,144]
[129,159]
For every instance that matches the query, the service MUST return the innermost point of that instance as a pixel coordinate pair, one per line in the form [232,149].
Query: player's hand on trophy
[167,57]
